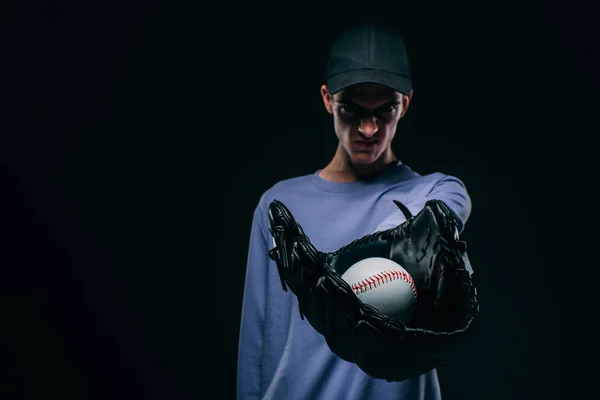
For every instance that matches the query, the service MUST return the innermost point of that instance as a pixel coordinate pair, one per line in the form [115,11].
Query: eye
[387,109]
[349,108]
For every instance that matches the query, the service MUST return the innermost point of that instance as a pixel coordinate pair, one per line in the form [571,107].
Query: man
[367,90]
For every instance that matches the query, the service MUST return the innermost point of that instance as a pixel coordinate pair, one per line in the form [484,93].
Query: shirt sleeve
[253,313]
[450,190]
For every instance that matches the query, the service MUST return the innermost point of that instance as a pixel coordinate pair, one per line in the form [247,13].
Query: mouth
[366,144]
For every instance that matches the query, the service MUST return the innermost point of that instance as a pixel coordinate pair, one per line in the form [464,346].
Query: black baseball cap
[368,53]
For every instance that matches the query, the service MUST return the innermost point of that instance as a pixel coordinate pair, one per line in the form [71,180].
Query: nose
[368,126]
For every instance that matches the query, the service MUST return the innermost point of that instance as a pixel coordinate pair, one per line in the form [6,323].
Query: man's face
[365,118]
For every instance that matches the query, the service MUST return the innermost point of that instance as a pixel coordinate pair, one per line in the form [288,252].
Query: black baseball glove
[427,245]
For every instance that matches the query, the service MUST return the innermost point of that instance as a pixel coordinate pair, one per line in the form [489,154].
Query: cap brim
[341,81]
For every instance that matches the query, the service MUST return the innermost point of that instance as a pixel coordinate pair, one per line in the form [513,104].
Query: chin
[363,158]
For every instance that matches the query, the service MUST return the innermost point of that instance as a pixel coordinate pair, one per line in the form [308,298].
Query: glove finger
[311,266]
[456,303]
[341,313]
[322,296]
[282,227]
[287,233]
[309,270]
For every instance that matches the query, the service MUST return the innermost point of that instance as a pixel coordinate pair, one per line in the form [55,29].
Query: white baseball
[385,285]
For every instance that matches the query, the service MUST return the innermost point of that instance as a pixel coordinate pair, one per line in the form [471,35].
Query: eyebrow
[389,103]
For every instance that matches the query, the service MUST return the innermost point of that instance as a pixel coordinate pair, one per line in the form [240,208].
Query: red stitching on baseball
[379,279]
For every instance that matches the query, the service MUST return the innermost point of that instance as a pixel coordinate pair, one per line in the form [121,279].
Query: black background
[138,140]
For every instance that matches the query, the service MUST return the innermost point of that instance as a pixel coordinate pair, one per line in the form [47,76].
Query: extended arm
[450,190]
[427,246]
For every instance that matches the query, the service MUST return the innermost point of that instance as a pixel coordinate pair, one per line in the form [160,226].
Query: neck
[341,168]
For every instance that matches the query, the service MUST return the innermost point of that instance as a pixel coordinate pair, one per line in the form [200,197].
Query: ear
[406,98]
[327,99]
